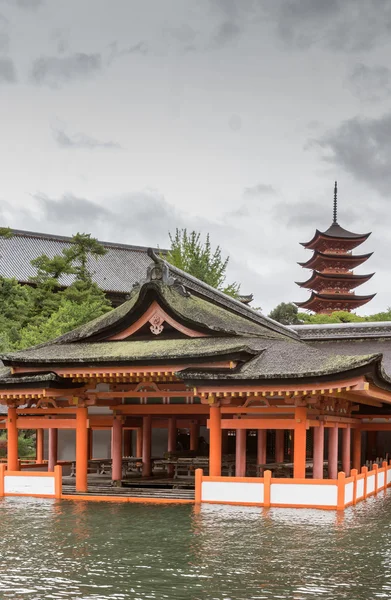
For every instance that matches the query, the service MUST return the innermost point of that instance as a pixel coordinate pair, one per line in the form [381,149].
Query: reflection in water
[80,550]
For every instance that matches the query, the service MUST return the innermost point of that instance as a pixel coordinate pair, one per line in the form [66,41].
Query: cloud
[7,71]
[70,209]
[54,70]
[370,84]
[24,4]
[82,140]
[226,32]
[115,53]
[362,147]
[260,189]
[340,26]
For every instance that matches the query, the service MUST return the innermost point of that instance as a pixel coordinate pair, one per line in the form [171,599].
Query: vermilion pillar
[240,459]
[39,446]
[147,440]
[171,445]
[280,454]
[12,441]
[194,435]
[139,442]
[215,441]
[357,449]
[333,453]
[81,449]
[53,448]
[127,442]
[117,450]
[318,457]
[346,450]
[261,446]
[300,439]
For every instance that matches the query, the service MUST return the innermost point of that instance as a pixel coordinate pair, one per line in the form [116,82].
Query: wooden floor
[148,488]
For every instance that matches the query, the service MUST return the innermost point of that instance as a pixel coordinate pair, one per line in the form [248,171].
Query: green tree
[83,246]
[285,313]
[189,253]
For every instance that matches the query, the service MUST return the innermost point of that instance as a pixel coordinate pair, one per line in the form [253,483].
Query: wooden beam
[161,409]
[43,423]
[144,394]
[46,411]
[257,423]
[358,399]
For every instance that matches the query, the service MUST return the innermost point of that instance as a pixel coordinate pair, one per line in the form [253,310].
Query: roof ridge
[65,238]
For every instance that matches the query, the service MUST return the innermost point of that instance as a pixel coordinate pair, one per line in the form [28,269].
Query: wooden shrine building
[180,355]
[333,281]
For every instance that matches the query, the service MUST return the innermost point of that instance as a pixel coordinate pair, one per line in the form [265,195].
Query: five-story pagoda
[333,281]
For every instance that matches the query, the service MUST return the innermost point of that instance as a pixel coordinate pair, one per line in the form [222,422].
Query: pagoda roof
[219,329]
[336,232]
[351,260]
[351,278]
[319,299]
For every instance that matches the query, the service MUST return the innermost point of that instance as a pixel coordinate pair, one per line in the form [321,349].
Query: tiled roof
[117,271]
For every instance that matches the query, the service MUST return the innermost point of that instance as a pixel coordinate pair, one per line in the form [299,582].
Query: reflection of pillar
[117,450]
[147,439]
[139,442]
[171,445]
[53,448]
[318,457]
[357,449]
[261,446]
[39,447]
[240,459]
[194,435]
[280,454]
[299,451]
[346,450]
[12,441]
[127,442]
[333,453]
[81,449]
[215,441]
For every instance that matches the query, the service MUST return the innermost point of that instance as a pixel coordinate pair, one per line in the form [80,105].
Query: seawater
[79,550]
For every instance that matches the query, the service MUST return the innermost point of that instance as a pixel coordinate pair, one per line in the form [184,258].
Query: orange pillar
[171,445]
[147,438]
[261,446]
[12,441]
[139,442]
[194,435]
[357,449]
[346,450]
[333,453]
[215,441]
[240,458]
[53,446]
[318,457]
[127,442]
[280,453]
[39,447]
[299,449]
[116,433]
[81,449]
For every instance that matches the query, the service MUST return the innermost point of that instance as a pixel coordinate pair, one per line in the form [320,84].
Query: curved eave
[354,239]
[352,260]
[337,298]
[353,280]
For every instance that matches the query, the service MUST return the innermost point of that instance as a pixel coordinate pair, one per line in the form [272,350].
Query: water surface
[77,550]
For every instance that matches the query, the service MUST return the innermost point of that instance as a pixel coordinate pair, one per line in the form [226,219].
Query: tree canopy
[189,253]
[285,313]
[32,314]
[288,314]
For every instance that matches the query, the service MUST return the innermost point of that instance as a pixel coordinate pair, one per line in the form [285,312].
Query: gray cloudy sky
[127,119]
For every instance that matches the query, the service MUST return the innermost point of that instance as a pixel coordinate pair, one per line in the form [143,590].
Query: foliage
[189,253]
[35,314]
[26,446]
[285,313]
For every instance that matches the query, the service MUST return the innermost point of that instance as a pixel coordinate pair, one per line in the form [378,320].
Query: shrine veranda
[201,399]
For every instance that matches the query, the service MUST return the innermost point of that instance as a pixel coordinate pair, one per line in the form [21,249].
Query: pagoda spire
[335,203]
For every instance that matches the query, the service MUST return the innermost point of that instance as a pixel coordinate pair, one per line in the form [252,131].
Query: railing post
[58,481]
[3,469]
[267,480]
[354,473]
[375,468]
[364,470]
[341,491]
[198,485]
